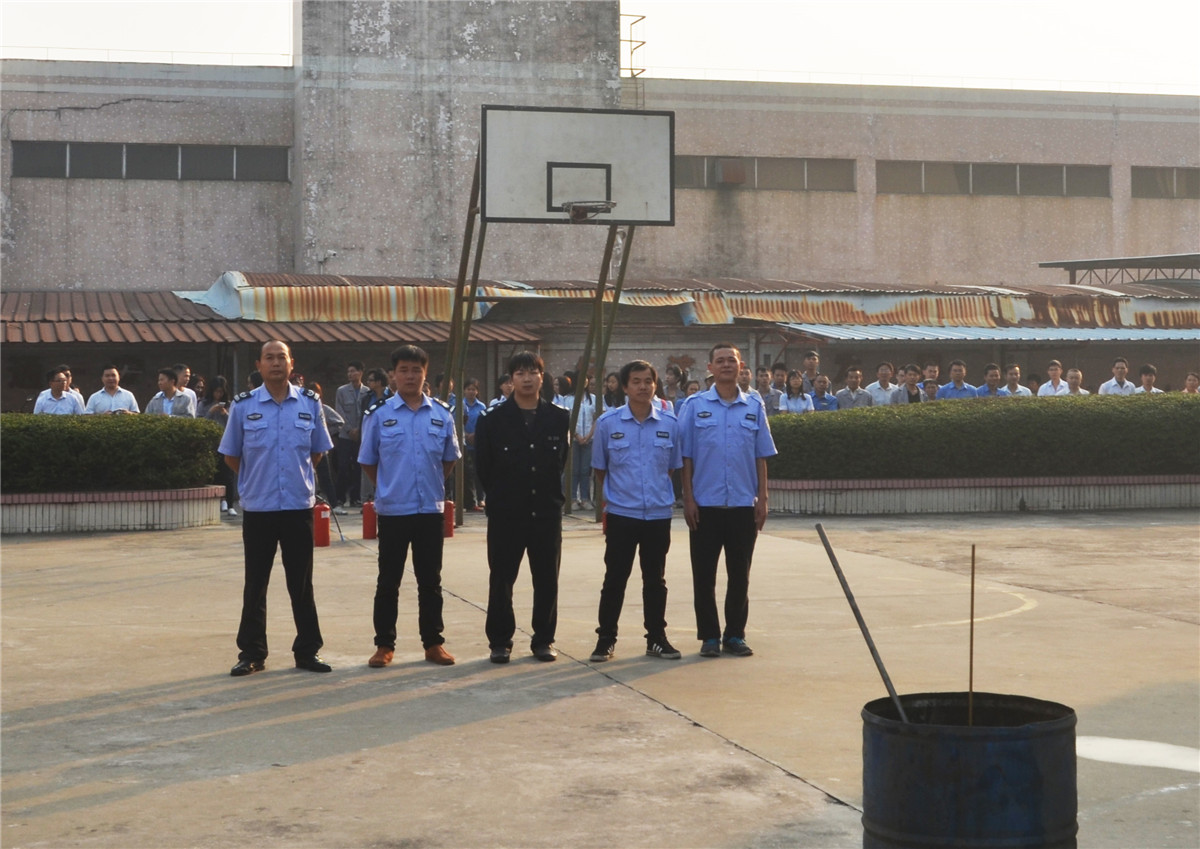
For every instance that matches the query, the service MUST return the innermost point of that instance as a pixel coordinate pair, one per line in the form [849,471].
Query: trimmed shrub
[105,453]
[993,438]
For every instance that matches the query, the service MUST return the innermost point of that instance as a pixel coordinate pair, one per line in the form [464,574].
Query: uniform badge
[390,423]
[305,416]
[253,417]
[704,414]
[618,436]
[437,422]
[662,434]
[752,417]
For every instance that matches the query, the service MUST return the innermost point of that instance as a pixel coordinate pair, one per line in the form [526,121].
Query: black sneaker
[737,646]
[604,650]
[659,647]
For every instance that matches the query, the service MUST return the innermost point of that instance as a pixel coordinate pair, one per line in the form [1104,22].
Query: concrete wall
[862,237]
[141,234]
[387,126]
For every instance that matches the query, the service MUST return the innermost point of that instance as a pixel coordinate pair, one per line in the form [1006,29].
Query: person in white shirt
[184,373]
[69,389]
[1013,375]
[58,401]
[1118,385]
[883,391]
[1055,385]
[1148,374]
[111,399]
[1074,379]
[580,489]
[794,400]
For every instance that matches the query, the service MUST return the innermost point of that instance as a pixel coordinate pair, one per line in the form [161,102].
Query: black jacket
[519,466]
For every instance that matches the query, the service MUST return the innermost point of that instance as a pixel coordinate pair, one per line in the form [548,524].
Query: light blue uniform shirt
[952,391]
[275,443]
[408,448]
[637,458]
[102,402]
[982,392]
[471,416]
[67,405]
[724,441]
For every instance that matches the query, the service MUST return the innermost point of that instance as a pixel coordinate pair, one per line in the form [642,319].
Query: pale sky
[1097,45]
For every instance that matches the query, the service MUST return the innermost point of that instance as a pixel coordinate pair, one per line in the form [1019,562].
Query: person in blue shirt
[635,448]
[473,495]
[726,442]
[991,383]
[57,401]
[409,447]
[958,386]
[822,399]
[274,437]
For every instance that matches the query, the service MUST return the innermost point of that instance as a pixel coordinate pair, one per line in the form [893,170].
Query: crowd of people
[649,445]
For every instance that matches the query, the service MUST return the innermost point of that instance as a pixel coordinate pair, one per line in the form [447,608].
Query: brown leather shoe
[381,658]
[438,654]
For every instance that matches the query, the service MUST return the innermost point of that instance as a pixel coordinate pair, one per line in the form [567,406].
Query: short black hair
[1121,360]
[355,364]
[721,345]
[636,365]
[108,366]
[990,367]
[778,365]
[1053,363]
[527,361]
[377,374]
[954,363]
[50,374]
[411,354]
[256,379]
[171,373]
[1148,369]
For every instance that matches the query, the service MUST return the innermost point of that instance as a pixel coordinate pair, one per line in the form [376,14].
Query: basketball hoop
[584,210]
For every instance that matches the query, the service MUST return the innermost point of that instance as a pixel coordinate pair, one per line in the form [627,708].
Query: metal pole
[862,625]
[971,662]
[607,329]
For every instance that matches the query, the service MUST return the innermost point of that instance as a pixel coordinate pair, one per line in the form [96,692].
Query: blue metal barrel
[1007,780]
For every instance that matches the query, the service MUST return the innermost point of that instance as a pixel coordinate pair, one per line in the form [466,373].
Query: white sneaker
[232,511]
[224,505]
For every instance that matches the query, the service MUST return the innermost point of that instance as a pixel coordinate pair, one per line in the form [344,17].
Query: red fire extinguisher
[320,524]
[448,519]
[370,524]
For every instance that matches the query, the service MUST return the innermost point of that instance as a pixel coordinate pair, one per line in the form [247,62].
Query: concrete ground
[122,728]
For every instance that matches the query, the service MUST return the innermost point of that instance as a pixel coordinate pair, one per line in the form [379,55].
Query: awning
[905,333]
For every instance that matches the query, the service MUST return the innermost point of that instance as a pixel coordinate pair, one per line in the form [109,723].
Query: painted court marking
[1027,604]
[1138,753]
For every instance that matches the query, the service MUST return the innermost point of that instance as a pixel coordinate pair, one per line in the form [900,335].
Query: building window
[96,161]
[116,161]
[990,178]
[39,159]
[769,173]
[261,163]
[1165,182]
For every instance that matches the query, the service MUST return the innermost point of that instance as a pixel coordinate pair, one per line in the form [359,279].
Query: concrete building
[139,180]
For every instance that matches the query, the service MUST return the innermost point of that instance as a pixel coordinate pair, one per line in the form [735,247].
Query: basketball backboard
[533,161]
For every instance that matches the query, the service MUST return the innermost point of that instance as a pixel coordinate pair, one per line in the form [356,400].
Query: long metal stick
[971,661]
[862,625]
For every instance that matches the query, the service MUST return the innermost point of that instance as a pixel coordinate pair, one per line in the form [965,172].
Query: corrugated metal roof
[162,317]
[1191,261]
[906,333]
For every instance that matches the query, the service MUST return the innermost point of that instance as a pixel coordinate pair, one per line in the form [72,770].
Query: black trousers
[508,539]
[423,531]
[291,531]
[734,530]
[349,477]
[472,488]
[650,540]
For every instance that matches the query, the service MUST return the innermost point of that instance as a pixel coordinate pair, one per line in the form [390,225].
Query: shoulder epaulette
[375,406]
[241,396]
[440,402]
[309,393]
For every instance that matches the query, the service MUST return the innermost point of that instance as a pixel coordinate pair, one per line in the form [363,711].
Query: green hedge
[985,438]
[98,453]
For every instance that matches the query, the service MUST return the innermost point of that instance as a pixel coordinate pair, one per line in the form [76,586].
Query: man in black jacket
[520,451]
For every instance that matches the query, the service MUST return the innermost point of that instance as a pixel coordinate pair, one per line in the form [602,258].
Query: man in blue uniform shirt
[520,451]
[635,448]
[958,386]
[273,440]
[726,443]
[409,447]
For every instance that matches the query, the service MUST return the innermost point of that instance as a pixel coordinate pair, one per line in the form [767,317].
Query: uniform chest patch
[618,436]
[305,416]
[662,434]
[390,423]
[751,417]
[437,422]
[704,414]
[253,417]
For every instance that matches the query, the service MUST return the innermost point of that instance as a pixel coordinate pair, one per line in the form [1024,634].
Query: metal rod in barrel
[971,661]
[862,625]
